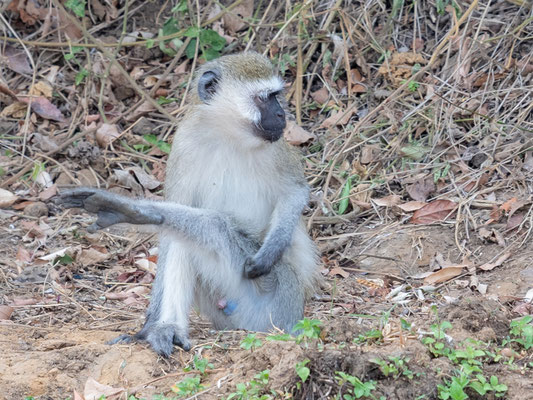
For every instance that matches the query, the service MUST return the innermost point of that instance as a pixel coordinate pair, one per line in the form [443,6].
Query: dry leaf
[41,88]
[321,96]
[421,190]
[369,153]
[339,117]
[435,211]
[146,180]
[6,198]
[5,312]
[17,60]
[514,221]
[444,274]
[95,390]
[43,107]
[411,206]
[92,255]
[339,271]
[106,134]
[296,135]
[497,263]
[235,20]
[388,201]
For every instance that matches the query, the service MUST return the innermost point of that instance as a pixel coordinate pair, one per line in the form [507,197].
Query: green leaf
[343,204]
[180,7]
[150,43]
[212,38]
[210,54]
[192,31]
[191,49]
[80,76]
[77,7]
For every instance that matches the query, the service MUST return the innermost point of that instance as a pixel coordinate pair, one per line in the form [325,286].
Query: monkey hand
[256,267]
[110,208]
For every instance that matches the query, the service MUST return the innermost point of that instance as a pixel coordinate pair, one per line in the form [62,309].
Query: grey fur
[232,240]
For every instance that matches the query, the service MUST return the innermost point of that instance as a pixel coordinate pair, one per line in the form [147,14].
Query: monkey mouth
[269,135]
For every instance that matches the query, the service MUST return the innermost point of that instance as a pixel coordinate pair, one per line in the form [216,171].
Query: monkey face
[272,121]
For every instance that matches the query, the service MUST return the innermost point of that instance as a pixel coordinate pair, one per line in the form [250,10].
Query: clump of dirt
[481,318]
[325,365]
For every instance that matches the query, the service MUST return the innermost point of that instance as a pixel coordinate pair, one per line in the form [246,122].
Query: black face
[272,122]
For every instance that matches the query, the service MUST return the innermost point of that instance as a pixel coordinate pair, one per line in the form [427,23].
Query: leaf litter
[405,184]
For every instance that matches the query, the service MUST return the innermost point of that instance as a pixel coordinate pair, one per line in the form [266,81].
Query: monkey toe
[125,339]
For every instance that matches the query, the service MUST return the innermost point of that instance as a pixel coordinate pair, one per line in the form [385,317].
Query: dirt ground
[414,121]
[57,345]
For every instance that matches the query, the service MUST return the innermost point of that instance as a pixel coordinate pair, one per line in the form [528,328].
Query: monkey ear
[207,85]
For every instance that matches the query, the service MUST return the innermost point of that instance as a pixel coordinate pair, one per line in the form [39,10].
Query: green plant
[302,371]
[395,368]
[522,331]
[160,144]
[358,389]
[437,343]
[210,43]
[310,329]
[253,390]
[200,364]
[77,7]
[371,336]
[188,386]
[250,342]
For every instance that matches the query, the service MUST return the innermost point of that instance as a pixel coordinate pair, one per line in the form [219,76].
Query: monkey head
[241,90]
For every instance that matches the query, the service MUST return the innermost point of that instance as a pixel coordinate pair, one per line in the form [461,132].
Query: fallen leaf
[338,271]
[6,198]
[388,201]
[95,390]
[321,95]
[435,211]
[369,153]
[48,193]
[23,255]
[508,204]
[106,134]
[339,117]
[296,135]
[236,19]
[411,206]
[78,396]
[497,263]
[443,275]
[514,221]
[43,107]
[5,312]
[41,88]
[92,255]
[24,302]
[421,190]
[17,60]
[146,180]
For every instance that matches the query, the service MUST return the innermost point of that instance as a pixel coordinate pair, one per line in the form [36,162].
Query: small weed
[187,387]
[522,331]
[358,389]
[250,342]
[302,371]
[77,7]
[310,329]
[371,336]
[253,390]
[200,364]
[395,368]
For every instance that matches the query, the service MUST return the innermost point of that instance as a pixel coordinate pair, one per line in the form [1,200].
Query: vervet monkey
[232,240]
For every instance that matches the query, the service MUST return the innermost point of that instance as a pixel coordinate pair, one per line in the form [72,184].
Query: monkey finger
[121,339]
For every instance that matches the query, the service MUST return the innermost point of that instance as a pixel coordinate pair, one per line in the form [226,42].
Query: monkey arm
[208,228]
[285,217]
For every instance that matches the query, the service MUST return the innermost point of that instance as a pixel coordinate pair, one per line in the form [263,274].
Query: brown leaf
[78,396]
[444,274]
[388,201]
[421,190]
[497,263]
[5,90]
[321,96]
[92,255]
[369,153]
[411,206]
[24,302]
[235,19]
[106,134]
[296,135]
[43,107]
[17,60]
[339,117]
[514,221]
[435,211]
[508,204]
[6,198]
[146,180]
[23,255]
[339,271]
[48,193]
[95,390]
[5,312]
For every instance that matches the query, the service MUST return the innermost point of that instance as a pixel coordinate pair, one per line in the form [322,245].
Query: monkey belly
[257,305]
